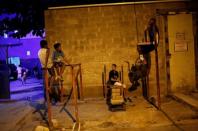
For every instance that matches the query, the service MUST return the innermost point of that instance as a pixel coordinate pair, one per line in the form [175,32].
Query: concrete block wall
[100,35]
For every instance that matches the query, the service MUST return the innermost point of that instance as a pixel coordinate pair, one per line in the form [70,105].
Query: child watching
[46,62]
[113,77]
[59,60]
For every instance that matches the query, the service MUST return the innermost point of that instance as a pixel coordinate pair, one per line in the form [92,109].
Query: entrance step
[187,100]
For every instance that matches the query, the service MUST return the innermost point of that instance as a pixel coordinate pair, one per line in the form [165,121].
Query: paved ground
[12,115]
[94,115]
[139,116]
[17,86]
[32,89]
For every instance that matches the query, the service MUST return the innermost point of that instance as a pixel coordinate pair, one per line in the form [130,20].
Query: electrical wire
[135,14]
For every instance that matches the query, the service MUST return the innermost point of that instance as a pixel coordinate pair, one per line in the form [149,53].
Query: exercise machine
[114,94]
[74,91]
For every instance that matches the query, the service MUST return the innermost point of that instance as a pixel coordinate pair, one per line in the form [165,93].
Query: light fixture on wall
[16,31]
[28,53]
[5,35]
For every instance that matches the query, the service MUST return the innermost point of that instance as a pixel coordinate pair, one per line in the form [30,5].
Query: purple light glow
[28,53]
[28,50]
[5,36]
[16,31]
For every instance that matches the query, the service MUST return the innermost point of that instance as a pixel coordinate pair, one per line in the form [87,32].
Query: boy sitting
[59,60]
[114,80]
[113,77]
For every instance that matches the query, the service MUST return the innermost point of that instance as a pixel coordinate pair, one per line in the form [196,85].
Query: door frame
[165,13]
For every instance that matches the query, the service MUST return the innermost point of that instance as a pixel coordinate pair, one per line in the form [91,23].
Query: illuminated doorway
[181,53]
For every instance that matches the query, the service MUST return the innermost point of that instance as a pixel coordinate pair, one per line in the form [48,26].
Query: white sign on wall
[180,44]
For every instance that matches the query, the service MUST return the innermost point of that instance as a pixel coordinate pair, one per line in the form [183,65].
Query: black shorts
[51,71]
[58,64]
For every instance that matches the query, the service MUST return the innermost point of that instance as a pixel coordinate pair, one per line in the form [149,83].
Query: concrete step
[30,89]
[187,100]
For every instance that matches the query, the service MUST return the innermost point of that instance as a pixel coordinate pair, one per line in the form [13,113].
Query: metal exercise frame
[73,90]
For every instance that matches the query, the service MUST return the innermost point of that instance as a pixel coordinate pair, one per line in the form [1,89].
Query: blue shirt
[58,56]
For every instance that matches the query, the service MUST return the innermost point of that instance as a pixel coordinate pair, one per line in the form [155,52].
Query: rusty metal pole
[49,111]
[105,80]
[74,94]
[122,73]
[103,85]
[81,84]
[157,78]
[61,91]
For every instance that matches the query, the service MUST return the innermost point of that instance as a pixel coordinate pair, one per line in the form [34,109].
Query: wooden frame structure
[74,77]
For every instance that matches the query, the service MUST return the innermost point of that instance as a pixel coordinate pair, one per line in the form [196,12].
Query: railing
[78,74]
[74,86]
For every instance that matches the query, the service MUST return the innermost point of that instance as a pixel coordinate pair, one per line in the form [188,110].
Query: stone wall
[100,35]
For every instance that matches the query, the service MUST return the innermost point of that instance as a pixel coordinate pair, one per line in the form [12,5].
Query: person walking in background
[22,73]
